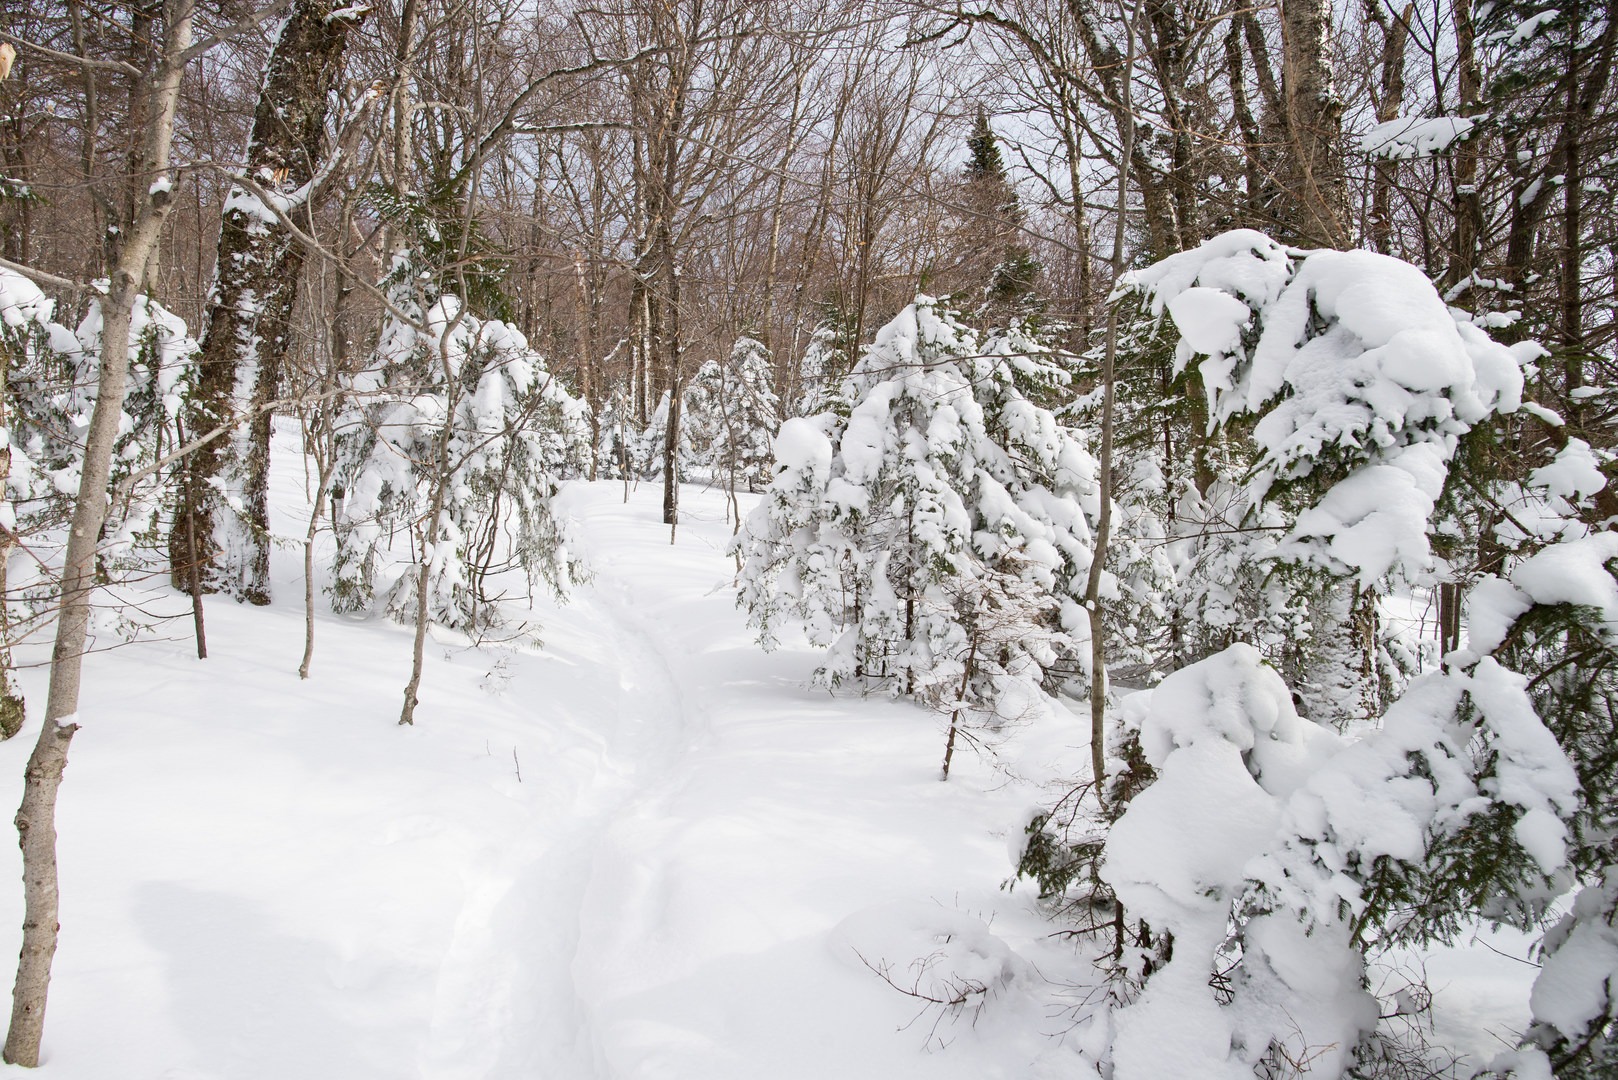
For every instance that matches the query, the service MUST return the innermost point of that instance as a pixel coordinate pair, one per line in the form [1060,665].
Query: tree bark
[249,311]
[1314,124]
[36,818]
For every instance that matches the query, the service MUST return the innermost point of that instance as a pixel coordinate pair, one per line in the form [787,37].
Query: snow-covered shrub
[1338,388]
[616,437]
[458,437]
[1488,787]
[731,415]
[51,389]
[51,375]
[1322,850]
[1228,749]
[820,373]
[935,541]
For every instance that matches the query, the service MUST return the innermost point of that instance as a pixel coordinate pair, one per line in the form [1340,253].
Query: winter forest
[707,539]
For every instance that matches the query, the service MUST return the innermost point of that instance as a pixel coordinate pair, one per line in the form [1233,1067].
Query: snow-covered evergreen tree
[1341,388]
[1481,794]
[935,541]
[614,450]
[457,402]
[820,373]
[50,390]
[731,414]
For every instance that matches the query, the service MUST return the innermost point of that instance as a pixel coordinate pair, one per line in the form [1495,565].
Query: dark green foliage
[986,161]
[435,226]
[1014,278]
[1056,860]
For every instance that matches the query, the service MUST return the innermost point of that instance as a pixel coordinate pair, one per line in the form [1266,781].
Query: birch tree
[36,818]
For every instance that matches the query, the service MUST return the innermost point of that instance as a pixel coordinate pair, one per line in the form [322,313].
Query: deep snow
[645,850]
[267,878]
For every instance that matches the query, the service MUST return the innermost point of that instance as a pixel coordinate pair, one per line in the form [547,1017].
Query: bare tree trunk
[671,434]
[1389,102]
[36,818]
[960,702]
[407,716]
[1314,121]
[1092,589]
[12,711]
[326,465]
[188,510]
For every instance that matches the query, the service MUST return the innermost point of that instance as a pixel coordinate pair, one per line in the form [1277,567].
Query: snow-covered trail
[627,854]
[645,850]
[769,813]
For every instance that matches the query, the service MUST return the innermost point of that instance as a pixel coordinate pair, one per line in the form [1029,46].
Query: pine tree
[935,540]
[820,374]
[732,413]
[460,416]
[993,257]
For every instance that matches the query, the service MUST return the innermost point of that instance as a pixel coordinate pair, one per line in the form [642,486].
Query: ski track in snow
[657,718]
[657,722]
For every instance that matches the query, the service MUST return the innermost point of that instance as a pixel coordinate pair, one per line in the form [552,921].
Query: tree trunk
[11,701]
[1314,124]
[36,818]
[246,337]
[430,539]
[1092,589]
[1390,101]
[1463,255]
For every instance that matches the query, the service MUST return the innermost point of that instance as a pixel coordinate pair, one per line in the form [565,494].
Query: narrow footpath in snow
[642,849]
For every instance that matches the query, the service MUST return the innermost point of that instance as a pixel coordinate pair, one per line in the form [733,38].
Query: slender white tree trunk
[36,818]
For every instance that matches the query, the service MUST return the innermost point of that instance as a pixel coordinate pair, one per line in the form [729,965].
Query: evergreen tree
[820,374]
[456,414]
[732,413]
[1486,788]
[994,258]
[935,540]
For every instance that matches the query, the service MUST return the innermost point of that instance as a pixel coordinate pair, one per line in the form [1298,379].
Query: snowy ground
[267,878]
[647,850]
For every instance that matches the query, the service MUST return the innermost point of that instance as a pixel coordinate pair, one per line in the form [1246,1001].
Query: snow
[1530,27]
[638,851]
[1415,136]
[1574,475]
[1574,572]
[649,849]
[1578,983]
[1533,773]
[1361,380]
[1210,321]
[1223,733]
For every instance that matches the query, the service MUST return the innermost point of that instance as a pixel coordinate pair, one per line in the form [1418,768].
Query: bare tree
[36,818]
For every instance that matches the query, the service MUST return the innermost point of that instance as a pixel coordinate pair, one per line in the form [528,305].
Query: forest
[1184,431]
